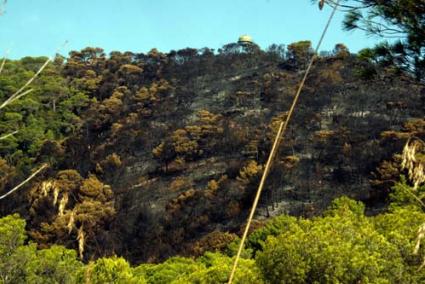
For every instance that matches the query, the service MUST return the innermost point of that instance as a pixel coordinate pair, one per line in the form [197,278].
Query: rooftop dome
[245,39]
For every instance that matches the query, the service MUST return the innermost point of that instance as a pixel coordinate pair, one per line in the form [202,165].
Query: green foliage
[173,270]
[216,269]
[402,194]
[50,112]
[399,227]
[12,237]
[299,53]
[12,234]
[342,247]
[367,69]
[110,270]
[19,267]
[274,227]
[345,206]
[403,20]
[233,247]
[210,268]
[54,265]
[366,54]
[21,263]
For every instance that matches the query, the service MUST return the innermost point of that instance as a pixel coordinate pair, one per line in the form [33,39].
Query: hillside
[153,155]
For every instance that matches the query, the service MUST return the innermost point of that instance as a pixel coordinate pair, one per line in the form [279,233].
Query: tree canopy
[401,22]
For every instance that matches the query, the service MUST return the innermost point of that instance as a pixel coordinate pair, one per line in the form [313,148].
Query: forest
[144,166]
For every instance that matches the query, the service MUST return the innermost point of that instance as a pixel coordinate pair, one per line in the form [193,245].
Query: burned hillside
[167,148]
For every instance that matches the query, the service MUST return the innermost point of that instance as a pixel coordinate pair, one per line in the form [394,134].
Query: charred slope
[173,145]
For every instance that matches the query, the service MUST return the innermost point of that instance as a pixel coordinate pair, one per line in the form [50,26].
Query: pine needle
[81,241]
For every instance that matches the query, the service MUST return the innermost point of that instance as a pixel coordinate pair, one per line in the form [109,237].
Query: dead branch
[19,93]
[11,100]
[8,135]
[24,182]
[2,64]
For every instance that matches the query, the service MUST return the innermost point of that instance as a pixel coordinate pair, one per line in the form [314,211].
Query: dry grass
[413,161]
[81,241]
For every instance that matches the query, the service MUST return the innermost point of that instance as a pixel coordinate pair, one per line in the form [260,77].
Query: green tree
[342,247]
[299,53]
[110,270]
[12,236]
[217,267]
[21,263]
[49,113]
[402,20]
[171,271]
[54,265]
[400,227]
[19,266]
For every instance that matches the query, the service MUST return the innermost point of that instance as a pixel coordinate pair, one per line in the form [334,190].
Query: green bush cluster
[341,246]
[51,112]
[22,262]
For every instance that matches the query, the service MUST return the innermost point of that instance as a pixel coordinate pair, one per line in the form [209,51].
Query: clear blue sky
[40,27]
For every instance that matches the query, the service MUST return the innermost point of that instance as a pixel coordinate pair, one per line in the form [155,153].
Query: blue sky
[40,27]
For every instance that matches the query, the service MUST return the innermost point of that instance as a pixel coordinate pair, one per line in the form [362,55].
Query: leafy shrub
[110,270]
[216,269]
[342,247]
